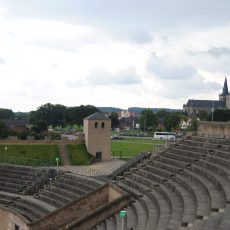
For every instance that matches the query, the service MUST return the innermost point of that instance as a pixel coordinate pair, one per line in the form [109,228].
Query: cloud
[214,52]
[119,16]
[88,49]
[2,61]
[170,71]
[178,79]
[123,77]
[219,51]
[134,34]
[188,88]
[140,36]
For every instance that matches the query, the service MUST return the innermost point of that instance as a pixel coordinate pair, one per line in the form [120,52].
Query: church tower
[225,96]
[222,96]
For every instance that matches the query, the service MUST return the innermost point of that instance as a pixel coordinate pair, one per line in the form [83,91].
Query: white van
[164,135]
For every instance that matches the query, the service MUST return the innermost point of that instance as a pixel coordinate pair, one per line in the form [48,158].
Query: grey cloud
[213,51]
[219,51]
[136,35]
[187,88]
[124,77]
[119,15]
[166,70]
[207,61]
[179,80]
[140,36]
[2,61]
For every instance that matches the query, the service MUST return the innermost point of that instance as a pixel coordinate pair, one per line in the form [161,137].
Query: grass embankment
[37,155]
[131,147]
[78,155]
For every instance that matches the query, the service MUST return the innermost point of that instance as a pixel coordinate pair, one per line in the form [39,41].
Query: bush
[3,130]
[23,135]
[55,136]
[39,136]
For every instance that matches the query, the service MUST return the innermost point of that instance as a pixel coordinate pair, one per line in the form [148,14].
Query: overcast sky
[121,53]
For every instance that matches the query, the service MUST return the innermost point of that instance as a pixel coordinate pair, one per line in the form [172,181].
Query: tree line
[59,115]
[149,121]
[46,115]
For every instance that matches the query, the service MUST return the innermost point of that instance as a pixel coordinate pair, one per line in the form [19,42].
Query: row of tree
[169,120]
[149,121]
[217,115]
[47,115]
[59,115]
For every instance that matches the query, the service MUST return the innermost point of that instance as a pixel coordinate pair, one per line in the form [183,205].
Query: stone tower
[97,128]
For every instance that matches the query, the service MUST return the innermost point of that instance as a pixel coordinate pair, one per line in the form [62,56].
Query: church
[193,107]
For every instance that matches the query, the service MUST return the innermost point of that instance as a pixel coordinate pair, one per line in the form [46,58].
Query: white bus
[165,135]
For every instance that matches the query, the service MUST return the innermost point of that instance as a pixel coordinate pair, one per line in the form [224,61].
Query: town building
[193,107]
[15,124]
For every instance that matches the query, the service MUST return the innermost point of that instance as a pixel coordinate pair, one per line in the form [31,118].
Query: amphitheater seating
[66,188]
[32,211]
[186,186]
[23,180]
[34,192]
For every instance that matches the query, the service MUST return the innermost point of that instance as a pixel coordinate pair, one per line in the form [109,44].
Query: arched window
[95,125]
[102,124]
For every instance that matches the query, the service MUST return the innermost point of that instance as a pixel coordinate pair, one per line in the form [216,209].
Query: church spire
[225,88]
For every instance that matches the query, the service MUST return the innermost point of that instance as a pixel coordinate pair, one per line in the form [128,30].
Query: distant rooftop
[205,104]
[10,123]
[96,116]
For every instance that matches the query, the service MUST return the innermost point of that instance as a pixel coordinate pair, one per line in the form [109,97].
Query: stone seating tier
[28,209]
[192,184]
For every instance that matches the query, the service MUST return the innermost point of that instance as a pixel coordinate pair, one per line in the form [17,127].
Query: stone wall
[228,101]
[9,218]
[98,215]
[86,211]
[218,128]
[40,142]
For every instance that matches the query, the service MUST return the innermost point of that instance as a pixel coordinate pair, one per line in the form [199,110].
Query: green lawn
[140,140]
[130,148]
[29,154]
[78,154]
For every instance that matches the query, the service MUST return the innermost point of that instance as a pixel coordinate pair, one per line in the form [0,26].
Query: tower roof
[205,104]
[96,116]
[225,88]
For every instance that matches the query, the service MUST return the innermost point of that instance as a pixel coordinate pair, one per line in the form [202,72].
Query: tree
[6,114]
[148,120]
[203,115]
[172,121]
[60,115]
[3,130]
[161,114]
[75,115]
[40,126]
[193,127]
[114,120]
[220,115]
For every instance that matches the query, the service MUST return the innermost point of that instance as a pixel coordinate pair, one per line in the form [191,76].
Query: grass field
[40,155]
[78,154]
[29,154]
[130,147]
